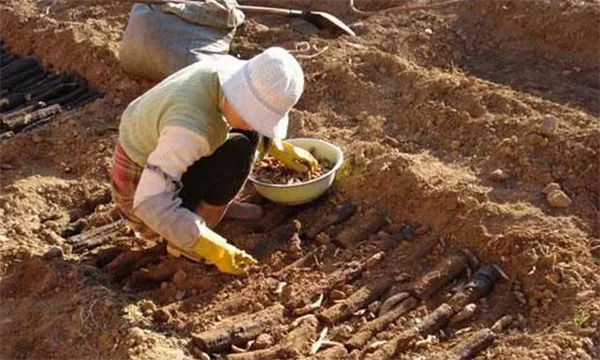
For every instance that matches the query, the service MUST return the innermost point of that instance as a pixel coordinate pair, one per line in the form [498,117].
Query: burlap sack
[159,40]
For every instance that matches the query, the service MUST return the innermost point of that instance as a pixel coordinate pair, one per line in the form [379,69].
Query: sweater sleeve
[155,201]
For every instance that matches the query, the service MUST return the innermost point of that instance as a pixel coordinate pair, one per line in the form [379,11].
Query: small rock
[551,187]
[586,295]
[337,295]
[66,248]
[179,278]
[6,167]
[549,125]
[164,285]
[498,175]
[54,252]
[428,31]
[558,199]
[263,341]
[455,145]
[179,295]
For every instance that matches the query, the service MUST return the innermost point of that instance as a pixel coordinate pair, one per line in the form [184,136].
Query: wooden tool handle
[269,11]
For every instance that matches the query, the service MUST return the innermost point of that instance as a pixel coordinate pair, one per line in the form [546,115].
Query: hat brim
[231,72]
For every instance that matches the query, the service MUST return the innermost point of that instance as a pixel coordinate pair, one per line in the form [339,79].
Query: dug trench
[463,224]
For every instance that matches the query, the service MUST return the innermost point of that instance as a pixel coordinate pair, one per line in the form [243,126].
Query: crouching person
[186,148]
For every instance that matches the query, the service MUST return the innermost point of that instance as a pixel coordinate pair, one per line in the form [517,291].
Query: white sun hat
[263,89]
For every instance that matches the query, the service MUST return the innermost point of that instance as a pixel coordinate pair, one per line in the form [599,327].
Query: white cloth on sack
[160,40]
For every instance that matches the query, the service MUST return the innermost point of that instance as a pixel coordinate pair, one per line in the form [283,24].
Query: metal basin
[296,194]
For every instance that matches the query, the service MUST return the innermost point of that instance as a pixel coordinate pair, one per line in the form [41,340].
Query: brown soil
[452,121]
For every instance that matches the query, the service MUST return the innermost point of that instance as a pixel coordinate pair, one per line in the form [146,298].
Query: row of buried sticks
[30,96]
[306,320]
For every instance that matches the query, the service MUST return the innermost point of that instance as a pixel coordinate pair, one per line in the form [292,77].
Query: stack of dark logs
[31,96]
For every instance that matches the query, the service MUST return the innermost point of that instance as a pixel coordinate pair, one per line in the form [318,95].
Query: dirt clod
[558,199]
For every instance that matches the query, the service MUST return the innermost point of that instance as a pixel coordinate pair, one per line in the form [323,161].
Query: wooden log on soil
[106,256]
[146,279]
[359,299]
[6,60]
[240,331]
[70,96]
[95,237]
[59,90]
[12,101]
[348,273]
[21,112]
[276,217]
[361,229]
[281,273]
[17,67]
[11,82]
[129,261]
[470,348]
[367,331]
[430,324]
[28,84]
[31,118]
[441,316]
[297,342]
[49,84]
[432,281]
[342,213]
[482,283]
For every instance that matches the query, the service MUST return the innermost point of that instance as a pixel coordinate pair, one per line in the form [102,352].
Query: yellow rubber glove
[215,249]
[292,156]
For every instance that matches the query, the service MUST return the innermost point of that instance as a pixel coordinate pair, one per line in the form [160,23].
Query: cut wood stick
[392,301]
[18,66]
[332,353]
[440,317]
[281,273]
[470,348]
[482,283]
[27,119]
[359,299]
[348,273]
[106,256]
[239,331]
[430,324]
[341,213]
[361,228]
[426,285]
[96,237]
[20,112]
[296,343]
[145,279]
[31,73]
[130,261]
[367,331]
[276,217]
